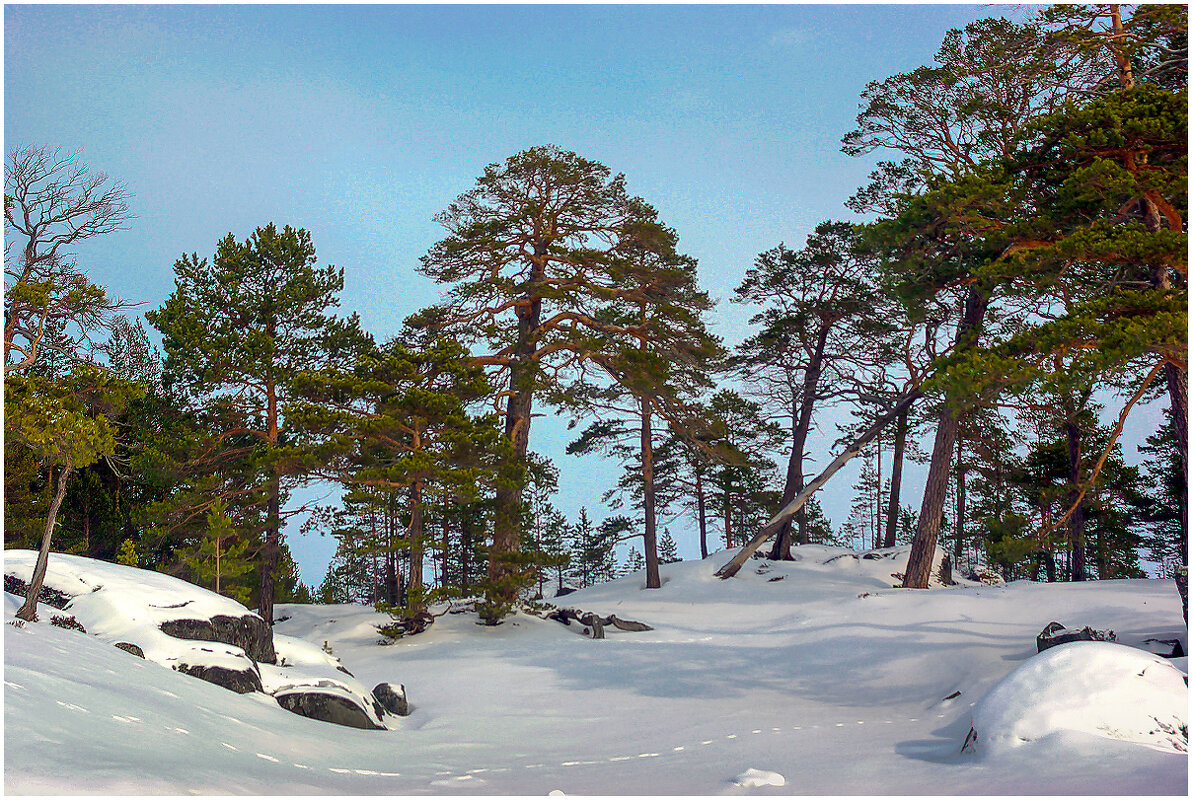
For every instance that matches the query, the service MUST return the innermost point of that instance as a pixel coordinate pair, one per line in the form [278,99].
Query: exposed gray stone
[1056,634]
[135,650]
[326,707]
[238,681]
[392,699]
[248,632]
[49,596]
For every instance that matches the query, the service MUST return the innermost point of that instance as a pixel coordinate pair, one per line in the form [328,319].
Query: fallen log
[730,568]
[595,622]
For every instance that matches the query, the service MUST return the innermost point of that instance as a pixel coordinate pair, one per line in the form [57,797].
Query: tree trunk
[959,541]
[892,512]
[507,523]
[415,581]
[649,539]
[269,551]
[802,422]
[1077,519]
[787,512]
[392,593]
[727,513]
[1178,398]
[923,545]
[700,513]
[28,610]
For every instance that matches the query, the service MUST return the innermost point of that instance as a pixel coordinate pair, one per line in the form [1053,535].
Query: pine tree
[668,552]
[236,330]
[536,254]
[818,335]
[221,557]
[128,554]
[634,562]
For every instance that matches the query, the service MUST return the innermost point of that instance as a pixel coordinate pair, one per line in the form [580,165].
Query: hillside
[814,677]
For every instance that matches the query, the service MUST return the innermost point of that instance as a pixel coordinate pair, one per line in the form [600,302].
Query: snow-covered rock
[760,778]
[1098,688]
[200,633]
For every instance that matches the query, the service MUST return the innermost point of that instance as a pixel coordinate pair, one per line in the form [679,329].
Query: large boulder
[1100,689]
[238,681]
[46,595]
[1055,634]
[326,706]
[392,699]
[248,633]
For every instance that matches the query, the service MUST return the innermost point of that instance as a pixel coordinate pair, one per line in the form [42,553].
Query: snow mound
[760,778]
[117,603]
[1104,689]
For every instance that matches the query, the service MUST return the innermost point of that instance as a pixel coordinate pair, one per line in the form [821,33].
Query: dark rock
[1056,634]
[326,707]
[135,650]
[1173,651]
[391,699]
[630,625]
[562,591]
[238,681]
[47,595]
[248,632]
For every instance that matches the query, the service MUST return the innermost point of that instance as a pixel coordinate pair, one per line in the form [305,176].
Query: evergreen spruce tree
[634,562]
[668,552]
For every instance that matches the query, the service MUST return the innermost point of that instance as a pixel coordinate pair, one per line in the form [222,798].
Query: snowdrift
[196,632]
[814,677]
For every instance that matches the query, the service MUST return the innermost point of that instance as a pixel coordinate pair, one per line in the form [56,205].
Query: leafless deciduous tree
[51,202]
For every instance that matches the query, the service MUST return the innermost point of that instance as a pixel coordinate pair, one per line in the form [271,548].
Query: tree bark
[649,537]
[892,512]
[700,514]
[269,552]
[959,541]
[731,568]
[28,610]
[1178,398]
[415,581]
[923,545]
[799,440]
[1077,518]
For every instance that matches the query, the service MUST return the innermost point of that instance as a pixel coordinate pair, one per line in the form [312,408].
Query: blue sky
[360,123]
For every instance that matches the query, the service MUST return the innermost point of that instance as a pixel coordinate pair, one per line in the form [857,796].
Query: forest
[1011,286]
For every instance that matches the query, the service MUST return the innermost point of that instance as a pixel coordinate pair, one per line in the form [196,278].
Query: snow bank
[1098,688]
[117,603]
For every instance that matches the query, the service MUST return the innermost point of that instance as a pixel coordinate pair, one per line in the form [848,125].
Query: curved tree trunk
[28,610]
[927,530]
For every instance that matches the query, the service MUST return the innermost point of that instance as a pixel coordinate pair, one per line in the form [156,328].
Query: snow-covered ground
[813,677]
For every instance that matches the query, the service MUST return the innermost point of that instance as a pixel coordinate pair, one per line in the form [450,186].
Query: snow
[760,778]
[116,603]
[1103,689]
[827,679]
